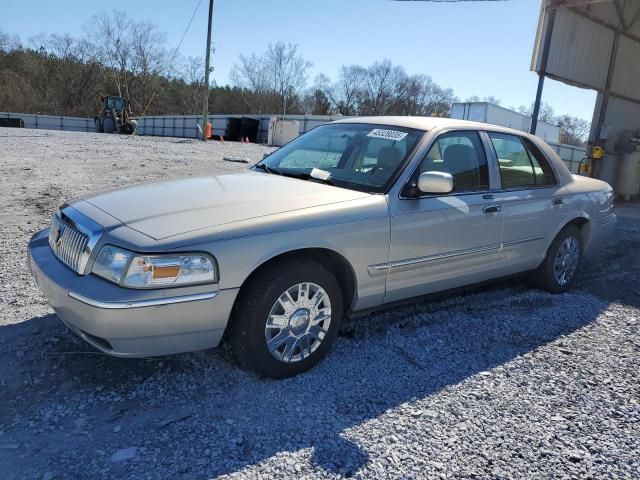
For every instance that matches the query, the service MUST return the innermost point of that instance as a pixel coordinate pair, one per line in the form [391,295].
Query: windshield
[115,103]
[357,156]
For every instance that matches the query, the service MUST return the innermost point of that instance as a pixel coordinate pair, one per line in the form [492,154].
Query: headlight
[111,262]
[134,270]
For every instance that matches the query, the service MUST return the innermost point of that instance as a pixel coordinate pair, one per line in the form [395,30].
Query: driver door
[445,241]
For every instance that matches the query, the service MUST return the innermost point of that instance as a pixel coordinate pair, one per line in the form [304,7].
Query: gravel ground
[500,382]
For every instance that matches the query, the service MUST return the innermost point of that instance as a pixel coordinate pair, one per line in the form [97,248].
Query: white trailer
[489,113]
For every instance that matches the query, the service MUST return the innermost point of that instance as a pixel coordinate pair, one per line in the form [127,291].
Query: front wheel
[286,318]
[557,272]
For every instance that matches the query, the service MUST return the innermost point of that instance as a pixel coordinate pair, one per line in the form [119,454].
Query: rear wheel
[108,125]
[286,318]
[557,272]
[128,128]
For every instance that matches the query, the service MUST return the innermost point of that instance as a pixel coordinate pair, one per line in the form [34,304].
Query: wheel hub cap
[298,322]
[566,261]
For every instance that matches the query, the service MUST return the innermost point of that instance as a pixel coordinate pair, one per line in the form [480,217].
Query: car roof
[434,123]
[430,123]
[420,123]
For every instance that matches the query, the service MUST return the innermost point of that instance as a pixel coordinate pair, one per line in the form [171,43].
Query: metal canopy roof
[592,44]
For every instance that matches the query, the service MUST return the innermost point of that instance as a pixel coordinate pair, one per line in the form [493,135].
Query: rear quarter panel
[588,199]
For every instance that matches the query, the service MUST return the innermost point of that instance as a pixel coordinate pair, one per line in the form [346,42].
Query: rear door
[531,208]
[444,241]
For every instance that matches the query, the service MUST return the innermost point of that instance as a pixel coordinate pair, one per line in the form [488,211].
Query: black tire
[108,125]
[98,125]
[545,276]
[247,329]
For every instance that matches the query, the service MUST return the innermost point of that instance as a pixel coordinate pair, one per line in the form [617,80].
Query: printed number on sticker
[388,134]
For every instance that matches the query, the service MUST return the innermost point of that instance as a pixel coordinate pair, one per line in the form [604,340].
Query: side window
[460,154]
[541,167]
[519,166]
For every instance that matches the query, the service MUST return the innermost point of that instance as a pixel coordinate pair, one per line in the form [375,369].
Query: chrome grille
[68,244]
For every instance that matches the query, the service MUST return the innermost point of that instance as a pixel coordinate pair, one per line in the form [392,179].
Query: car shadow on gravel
[200,413]
[612,273]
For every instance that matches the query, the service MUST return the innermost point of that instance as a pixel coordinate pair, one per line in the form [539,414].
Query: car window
[460,154]
[359,156]
[543,171]
[518,166]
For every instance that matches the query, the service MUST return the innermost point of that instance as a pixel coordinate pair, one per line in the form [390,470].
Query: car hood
[164,209]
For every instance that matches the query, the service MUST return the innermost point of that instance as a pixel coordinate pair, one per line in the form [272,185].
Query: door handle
[557,201]
[488,196]
[492,209]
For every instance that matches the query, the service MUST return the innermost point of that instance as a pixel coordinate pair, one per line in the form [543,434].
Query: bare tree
[274,78]
[316,102]
[134,53]
[73,76]
[193,76]
[384,89]
[149,60]
[346,93]
[573,130]
[420,95]
[9,42]
[110,34]
[379,87]
[488,99]
[546,112]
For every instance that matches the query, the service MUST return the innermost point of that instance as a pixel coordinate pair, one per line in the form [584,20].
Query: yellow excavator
[115,116]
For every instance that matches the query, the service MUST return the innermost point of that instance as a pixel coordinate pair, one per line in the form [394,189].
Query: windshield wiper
[315,174]
[263,166]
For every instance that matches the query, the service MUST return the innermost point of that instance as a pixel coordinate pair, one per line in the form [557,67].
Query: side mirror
[435,182]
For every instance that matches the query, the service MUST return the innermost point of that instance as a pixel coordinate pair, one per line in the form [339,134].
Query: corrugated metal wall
[185,126]
[626,75]
[621,115]
[580,50]
[593,42]
[49,122]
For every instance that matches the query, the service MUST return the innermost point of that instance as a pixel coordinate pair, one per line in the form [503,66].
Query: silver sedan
[351,216]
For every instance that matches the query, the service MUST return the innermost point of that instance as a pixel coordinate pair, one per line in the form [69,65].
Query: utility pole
[551,18]
[205,103]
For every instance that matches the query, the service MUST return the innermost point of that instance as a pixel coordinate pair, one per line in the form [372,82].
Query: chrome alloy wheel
[566,262]
[298,322]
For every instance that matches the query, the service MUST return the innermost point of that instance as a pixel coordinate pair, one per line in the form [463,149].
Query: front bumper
[126,322]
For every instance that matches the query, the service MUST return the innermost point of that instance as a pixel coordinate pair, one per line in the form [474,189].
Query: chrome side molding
[154,302]
[522,240]
[410,263]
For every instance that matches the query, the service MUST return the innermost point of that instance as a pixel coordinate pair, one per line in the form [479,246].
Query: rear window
[521,162]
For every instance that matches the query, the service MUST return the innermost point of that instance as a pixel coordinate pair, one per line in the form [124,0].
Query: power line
[184,34]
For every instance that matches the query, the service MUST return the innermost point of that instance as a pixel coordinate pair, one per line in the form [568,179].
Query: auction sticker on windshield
[388,134]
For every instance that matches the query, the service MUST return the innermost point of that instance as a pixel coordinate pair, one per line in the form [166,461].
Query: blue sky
[481,48]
